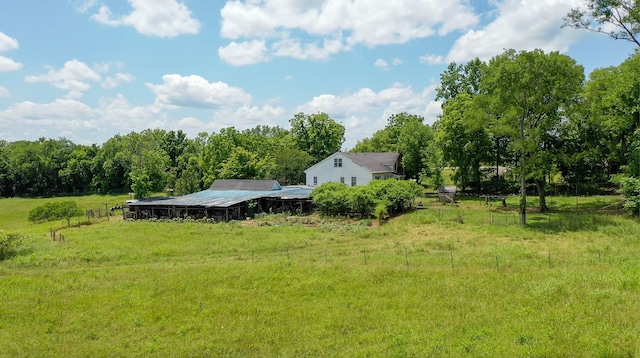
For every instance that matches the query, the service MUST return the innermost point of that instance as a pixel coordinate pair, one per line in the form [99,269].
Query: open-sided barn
[226,199]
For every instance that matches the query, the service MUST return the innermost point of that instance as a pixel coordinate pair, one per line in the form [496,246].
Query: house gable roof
[383,162]
[375,162]
[245,184]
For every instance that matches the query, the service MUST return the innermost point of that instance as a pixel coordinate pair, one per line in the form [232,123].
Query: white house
[355,168]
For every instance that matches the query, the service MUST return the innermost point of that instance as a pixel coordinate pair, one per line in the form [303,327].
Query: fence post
[451,254]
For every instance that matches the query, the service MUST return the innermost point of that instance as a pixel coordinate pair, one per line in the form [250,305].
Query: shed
[226,200]
[447,194]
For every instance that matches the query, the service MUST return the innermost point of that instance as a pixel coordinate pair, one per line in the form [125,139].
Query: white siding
[326,172]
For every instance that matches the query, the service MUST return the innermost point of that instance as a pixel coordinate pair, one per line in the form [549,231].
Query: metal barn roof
[224,198]
[245,184]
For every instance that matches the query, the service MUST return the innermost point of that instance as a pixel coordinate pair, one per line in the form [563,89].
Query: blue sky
[89,69]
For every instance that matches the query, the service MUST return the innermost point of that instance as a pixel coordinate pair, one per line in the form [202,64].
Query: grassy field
[446,281]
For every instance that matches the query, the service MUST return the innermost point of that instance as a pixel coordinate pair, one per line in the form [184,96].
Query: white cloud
[365,111]
[385,65]
[105,67]
[7,64]
[25,120]
[381,63]
[195,91]
[7,43]
[521,25]
[74,77]
[289,47]
[122,115]
[83,6]
[247,116]
[77,121]
[117,80]
[317,29]
[432,59]
[161,18]
[47,113]
[4,92]
[243,53]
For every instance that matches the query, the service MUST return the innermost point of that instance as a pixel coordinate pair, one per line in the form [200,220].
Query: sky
[87,70]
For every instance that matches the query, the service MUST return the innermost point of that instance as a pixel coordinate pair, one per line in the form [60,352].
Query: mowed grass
[444,281]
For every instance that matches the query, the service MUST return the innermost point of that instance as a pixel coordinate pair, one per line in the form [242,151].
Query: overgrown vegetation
[630,188]
[55,211]
[9,243]
[379,197]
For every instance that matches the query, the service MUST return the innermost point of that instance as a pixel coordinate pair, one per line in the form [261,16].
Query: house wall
[325,171]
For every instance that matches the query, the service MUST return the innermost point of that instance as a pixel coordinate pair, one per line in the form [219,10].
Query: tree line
[154,160]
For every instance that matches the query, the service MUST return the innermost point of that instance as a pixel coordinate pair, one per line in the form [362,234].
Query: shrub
[362,200]
[332,198]
[9,243]
[381,211]
[630,188]
[338,199]
[55,211]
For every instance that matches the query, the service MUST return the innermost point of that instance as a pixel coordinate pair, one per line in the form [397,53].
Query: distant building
[355,168]
[225,200]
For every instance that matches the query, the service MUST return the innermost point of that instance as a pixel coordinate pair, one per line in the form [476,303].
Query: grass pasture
[446,281]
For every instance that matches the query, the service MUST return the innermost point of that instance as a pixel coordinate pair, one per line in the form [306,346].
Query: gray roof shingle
[375,162]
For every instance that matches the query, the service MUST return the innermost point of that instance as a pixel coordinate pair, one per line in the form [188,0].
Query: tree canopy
[530,92]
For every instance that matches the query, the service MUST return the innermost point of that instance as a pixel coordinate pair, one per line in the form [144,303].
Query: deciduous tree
[317,134]
[530,92]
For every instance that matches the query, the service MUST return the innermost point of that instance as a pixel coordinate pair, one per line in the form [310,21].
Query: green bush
[9,243]
[630,188]
[55,211]
[381,211]
[339,199]
[332,198]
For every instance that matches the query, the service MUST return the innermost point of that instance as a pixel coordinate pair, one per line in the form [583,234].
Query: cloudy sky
[89,69]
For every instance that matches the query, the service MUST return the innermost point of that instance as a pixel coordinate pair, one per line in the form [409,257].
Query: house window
[337,162]
[315,181]
[342,180]
[353,181]
[377,177]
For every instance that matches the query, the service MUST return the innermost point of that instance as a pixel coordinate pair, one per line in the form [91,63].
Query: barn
[226,199]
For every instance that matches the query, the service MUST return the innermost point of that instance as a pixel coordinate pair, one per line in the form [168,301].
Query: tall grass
[444,281]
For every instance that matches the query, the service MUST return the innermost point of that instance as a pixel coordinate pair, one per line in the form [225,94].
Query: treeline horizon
[531,111]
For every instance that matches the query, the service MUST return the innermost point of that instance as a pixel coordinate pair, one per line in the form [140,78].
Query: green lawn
[444,281]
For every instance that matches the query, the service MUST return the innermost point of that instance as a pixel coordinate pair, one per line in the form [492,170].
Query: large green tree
[464,139]
[530,91]
[317,134]
[243,164]
[413,142]
[460,79]
[620,19]
[613,98]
